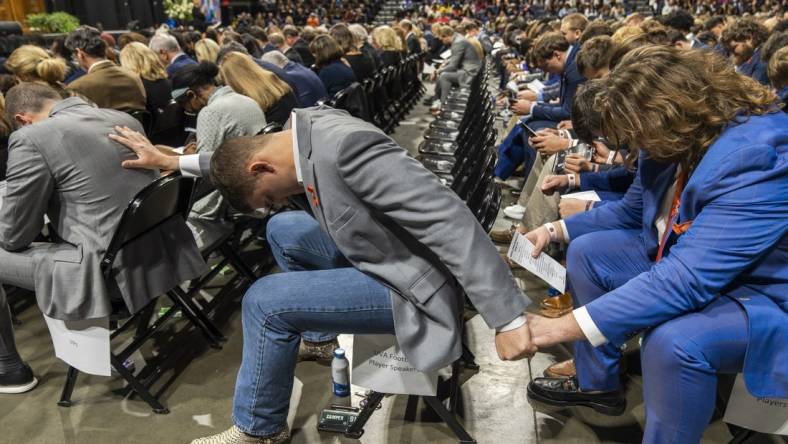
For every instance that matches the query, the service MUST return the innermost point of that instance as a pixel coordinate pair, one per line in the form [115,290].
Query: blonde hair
[142,60]
[625,33]
[244,76]
[778,68]
[387,38]
[31,63]
[206,50]
[5,127]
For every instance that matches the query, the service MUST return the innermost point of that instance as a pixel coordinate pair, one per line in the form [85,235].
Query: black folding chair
[163,200]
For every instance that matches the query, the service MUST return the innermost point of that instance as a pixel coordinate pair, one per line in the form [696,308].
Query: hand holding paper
[543,266]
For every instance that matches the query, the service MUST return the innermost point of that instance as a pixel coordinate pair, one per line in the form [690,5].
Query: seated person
[273,95]
[778,74]
[278,71]
[362,64]
[169,52]
[140,59]
[553,54]
[61,164]
[309,86]
[743,39]
[696,261]
[334,72]
[405,239]
[105,84]
[464,63]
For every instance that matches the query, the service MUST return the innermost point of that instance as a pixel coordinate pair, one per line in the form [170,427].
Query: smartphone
[528,129]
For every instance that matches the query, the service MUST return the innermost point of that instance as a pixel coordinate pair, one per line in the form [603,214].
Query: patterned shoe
[234,435]
[503,235]
[317,351]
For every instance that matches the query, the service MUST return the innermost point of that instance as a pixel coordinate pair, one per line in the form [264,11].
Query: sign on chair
[83,345]
[759,414]
[380,365]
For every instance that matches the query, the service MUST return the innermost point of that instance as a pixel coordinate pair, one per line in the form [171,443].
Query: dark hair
[129,37]
[325,49]
[28,97]
[586,121]
[231,36]
[59,48]
[547,44]
[195,76]
[744,29]
[781,26]
[674,36]
[595,54]
[251,45]
[707,38]
[595,29]
[679,19]
[344,38]
[772,45]
[713,22]
[228,164]
[211,33]
[290,31]
[87,39]
[258,33]
[228,48]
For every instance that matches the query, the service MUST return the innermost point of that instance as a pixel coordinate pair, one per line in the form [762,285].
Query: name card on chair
[83,345]
[763,415]
[380,365]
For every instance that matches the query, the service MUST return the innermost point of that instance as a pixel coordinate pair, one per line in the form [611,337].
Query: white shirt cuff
[190,165]
[516,323]
[565,231]
[590,330]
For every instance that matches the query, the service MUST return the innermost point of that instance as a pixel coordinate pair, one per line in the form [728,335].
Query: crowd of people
[677,123]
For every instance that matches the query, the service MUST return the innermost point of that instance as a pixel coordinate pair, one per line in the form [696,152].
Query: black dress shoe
[565,392]
[19,381]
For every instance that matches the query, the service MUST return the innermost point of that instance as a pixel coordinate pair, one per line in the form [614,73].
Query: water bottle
[340,374]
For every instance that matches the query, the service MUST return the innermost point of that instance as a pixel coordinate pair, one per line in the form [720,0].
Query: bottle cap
[339,353]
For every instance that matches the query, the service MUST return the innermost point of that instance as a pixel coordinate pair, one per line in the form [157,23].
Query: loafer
[504,235]
[565,392]
[317,351]
[564,369]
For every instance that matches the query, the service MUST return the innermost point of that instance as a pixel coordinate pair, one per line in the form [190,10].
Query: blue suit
[755,68]
[716,302]
[570,80]
[180,61]
[309,86]
[783,95]
[617,179]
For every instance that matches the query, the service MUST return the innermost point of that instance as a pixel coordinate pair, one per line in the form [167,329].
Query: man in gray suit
[394,252]
[463,64]
[62,165]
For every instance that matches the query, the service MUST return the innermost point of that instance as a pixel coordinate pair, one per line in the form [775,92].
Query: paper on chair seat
[544,267]
[583,195]
[380,365]
[83,345]
[446,54]
[760,414]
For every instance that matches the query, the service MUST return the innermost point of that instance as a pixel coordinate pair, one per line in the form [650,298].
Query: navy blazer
[309,88]
[755,68]
[736,203]
[617,179]
[336,76]
[570,80]
[179,62]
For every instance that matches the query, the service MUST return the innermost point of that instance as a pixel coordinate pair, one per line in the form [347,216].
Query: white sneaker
[436,105]
[515,211]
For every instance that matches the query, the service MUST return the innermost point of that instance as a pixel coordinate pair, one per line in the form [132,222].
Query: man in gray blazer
[62,165]
[394,252]
[464,63]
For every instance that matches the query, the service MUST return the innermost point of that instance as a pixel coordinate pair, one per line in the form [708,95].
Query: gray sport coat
[464,58]
[67,168]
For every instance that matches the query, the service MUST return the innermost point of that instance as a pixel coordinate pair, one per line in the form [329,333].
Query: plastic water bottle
[340,374]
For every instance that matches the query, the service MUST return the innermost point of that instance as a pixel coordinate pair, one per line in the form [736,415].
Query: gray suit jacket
[393,220]
[464,57]
[67,168]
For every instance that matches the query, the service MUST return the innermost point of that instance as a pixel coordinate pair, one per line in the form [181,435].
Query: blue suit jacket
[179,62]
[570,80]
[309,86]
[783,95]
[617,179]
[736,247]
[755,68]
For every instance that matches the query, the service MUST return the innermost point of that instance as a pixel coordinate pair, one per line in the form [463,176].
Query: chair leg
[68,387]
[450,420]
[237,262]
[194,314]
[412,408]
[138,387]
[357,428]
[144,321]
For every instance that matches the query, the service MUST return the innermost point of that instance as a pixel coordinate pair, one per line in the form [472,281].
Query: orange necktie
[674,211]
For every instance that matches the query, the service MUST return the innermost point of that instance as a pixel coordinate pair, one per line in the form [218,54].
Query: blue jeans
[299,244]
[680,358]
[279,308]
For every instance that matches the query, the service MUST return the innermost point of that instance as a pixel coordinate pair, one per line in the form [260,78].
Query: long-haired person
[244,76]
[363,65]
[335,73]
[138,58]
[32,64]
[206,50]
[388,43]
[695,256]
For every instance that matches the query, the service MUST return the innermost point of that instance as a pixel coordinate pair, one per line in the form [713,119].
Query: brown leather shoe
[564,369]
[503,235]
[554,312]
[317,351]
[560,302]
